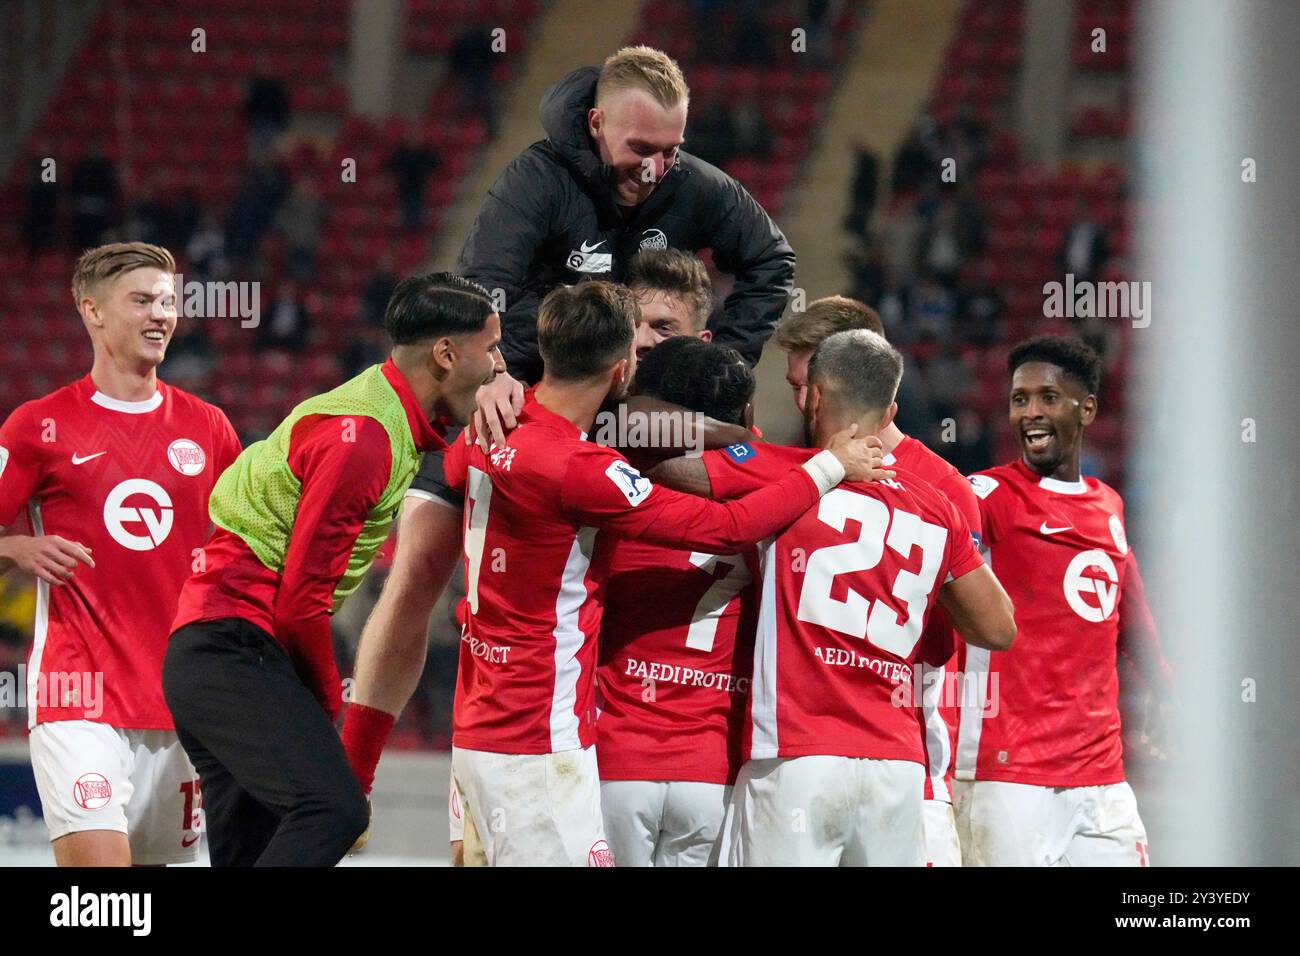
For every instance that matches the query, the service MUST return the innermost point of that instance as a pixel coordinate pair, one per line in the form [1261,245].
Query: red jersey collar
[427,436]
[536,411]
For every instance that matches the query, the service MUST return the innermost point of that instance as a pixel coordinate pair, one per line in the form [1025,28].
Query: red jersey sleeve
[1139,639]
[225,442]
[22,464]
[957,489]
[342,482]
[985,489]
[739,469]
[455,464]
[601,489]
[963,554]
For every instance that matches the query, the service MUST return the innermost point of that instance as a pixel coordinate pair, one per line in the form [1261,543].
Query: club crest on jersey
[741,453]
[1091,595]
[186,456]
[1117,532]
[635,486]
[157,520]
[599,854]
[653,239]
[92,791]
[586,259]
[982,485]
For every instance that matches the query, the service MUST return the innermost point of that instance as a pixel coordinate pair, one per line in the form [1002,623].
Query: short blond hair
[103,262]
[643,68]
[803,331]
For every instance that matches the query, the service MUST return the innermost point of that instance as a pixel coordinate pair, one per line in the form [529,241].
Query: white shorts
[942,848]
[455,814]
[1016,824]
[139,782]
[534,809]
[825,811]
[662,823]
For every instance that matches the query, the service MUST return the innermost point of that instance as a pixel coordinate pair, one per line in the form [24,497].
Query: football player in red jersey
[935,686]
[115,471]
[542,514]
[1040,776]
[676,648]
[675,297]
[835,766]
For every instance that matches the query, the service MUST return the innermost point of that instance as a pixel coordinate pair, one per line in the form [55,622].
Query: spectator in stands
[1084,250]
[40,211]
[955,234]
[411,164]
[866,173]
[95,199]
[145,214]
[266,107]
[377,291]
[285,325]
[980,305]
[901,236]
[470,65]
[867,269]
[190,356]
[301,220]
[753,43]
[753,135]
[712,133]
[206,250]
[254,208]
[367,346]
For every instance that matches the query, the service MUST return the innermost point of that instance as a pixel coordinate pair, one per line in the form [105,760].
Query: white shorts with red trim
[139,782]
[1018,824]
[534,809]
[825,811]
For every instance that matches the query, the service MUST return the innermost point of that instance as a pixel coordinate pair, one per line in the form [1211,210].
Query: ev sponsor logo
[653,239]
[1083,589]
[92,791]
[157,521]
[186,456]
[635,486]
[131,910]
[586,259]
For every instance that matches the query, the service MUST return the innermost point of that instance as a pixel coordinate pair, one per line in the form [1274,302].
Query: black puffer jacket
[551,218]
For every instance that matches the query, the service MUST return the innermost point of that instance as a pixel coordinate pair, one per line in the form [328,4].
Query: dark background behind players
[1030,133]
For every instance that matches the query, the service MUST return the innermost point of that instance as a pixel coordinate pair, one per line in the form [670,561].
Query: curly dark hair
[1075,357]
[698,375]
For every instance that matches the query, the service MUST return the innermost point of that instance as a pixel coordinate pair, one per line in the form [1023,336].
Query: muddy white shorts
[663,823]
[942,848]
[534,809]
[826,811]
[139,782]
[1017,824]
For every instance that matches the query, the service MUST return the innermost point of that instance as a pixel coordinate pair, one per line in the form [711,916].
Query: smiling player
[115,471]
[1041,783]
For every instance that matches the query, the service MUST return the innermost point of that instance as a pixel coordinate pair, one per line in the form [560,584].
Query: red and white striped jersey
[676,650]
[535,571]
[846,591]
[129,480]
[1046,711]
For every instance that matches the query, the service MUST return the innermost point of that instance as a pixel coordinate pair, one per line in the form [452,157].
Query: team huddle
[679,647]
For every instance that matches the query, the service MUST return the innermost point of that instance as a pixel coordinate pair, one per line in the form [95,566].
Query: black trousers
[277,786]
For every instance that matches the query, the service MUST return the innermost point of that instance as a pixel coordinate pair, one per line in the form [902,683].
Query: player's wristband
[825,470]
[365,732]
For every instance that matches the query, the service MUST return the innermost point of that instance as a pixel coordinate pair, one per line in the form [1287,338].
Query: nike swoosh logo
[189,843]
[1046,530]
[585,248]
[78,460]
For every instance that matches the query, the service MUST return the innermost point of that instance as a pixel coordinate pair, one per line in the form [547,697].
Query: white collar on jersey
[888,460]
[1063,487]
[131,408]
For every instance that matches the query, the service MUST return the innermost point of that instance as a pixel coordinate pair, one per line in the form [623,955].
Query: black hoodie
[551,218]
